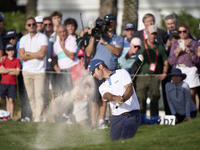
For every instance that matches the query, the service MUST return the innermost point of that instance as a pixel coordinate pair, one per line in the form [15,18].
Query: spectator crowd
[47,62]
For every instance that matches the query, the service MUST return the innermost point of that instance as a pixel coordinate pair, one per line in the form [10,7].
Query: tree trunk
[130,13]
[108,6]
[31,7]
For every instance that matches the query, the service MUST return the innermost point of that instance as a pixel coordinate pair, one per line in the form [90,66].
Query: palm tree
[108,6]
[130,13]
[31,7]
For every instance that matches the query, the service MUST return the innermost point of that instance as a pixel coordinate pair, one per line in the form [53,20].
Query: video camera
[99,23]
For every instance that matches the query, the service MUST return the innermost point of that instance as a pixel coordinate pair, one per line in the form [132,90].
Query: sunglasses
[33,24]
[13,38]
[50,24]
[137,47]
[1,20]
[184,31]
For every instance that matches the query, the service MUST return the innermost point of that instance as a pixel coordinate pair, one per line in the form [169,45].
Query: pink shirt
[64,62]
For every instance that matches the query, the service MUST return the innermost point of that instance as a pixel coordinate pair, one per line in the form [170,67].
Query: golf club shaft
[130,84]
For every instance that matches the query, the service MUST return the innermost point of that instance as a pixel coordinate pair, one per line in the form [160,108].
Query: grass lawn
[60,136]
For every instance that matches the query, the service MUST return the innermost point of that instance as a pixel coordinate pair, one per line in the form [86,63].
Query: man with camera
[108,48]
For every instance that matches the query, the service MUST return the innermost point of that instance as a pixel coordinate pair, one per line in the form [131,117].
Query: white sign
[169,119]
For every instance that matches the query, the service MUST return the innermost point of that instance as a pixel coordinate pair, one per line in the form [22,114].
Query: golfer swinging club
[125,120]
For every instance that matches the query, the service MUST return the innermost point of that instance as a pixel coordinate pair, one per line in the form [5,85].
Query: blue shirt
[179,98]
[103,53]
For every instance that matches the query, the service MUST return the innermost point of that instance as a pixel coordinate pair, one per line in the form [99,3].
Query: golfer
[125,119]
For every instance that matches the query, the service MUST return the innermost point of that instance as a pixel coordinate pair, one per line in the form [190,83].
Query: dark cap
[109,16]
[95,63]
[10,46]
[129,26]
[177,71]
[1,16]
[10,33]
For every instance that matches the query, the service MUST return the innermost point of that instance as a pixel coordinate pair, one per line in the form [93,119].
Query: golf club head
[141,58]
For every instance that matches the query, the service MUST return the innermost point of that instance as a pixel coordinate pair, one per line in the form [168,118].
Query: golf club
[141,58]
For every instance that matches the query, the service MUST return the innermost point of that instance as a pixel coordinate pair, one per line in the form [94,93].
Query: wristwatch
[105,43]
[27,53]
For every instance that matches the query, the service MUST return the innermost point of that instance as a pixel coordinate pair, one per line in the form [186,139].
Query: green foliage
[184,17]
[15,20]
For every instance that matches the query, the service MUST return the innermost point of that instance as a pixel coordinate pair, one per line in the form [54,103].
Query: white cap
[39,19]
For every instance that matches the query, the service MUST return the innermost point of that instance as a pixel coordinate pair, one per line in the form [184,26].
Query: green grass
[60,136]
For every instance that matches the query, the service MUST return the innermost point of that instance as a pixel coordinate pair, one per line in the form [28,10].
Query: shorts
[10,89]
[81,110]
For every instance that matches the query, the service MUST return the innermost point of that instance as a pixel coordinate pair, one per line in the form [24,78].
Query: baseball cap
[10,33]
[129,26]
[1,16]
[39,19]
[109,16]
[152,29]
[94,63]
[10,46]
[80,52]
[136,41]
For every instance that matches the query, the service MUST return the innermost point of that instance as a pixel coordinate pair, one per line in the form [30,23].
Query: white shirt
[115,85]
[33,44]
[64,62]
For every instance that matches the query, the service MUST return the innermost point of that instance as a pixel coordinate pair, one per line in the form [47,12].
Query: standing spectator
[13,39]
[149,19]
[39,24]
[50,78]
[64,57]
[56,17]
[131,56]
[10,68]
[179,98]
[126,118]
[154,56]
[107,48]
[71,26]
[80,103]
[122,60]
[33,48]
[186,58]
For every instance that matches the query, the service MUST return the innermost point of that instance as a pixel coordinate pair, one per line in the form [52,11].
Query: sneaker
[69,121]
[27,119]
[44,120]
[37,120]
[21,119]
[102,124]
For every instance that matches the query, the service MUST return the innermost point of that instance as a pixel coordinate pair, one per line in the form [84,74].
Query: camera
[99,23]
[174,34]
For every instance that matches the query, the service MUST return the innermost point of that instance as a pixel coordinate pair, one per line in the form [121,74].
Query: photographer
[107,48]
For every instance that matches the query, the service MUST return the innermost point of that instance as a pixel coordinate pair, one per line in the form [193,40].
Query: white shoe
[37,120]
[44,120]
[102,124]
[69,121]
[27,119]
